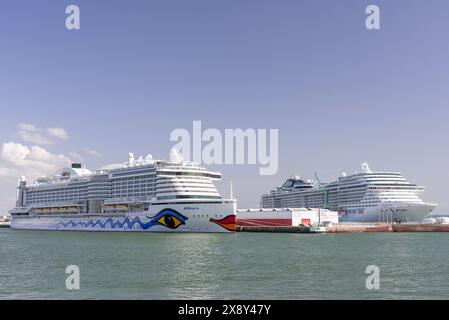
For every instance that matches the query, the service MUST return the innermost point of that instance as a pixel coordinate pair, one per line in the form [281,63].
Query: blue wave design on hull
[114,224]
[167,217]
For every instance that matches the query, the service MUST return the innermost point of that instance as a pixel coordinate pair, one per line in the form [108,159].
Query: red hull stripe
[264,222]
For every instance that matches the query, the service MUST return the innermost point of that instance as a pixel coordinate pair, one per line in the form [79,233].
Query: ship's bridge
[295,183]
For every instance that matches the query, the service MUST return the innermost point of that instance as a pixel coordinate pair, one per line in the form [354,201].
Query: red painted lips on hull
[227,222]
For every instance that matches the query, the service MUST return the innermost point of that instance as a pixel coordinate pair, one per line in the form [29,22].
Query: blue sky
[338,93]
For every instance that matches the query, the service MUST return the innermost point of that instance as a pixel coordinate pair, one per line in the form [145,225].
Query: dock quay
[352,228]
[4,224]
[349,228]
[274,229]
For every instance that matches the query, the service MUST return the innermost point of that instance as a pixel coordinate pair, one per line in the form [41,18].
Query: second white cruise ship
[366,196]
[140,195]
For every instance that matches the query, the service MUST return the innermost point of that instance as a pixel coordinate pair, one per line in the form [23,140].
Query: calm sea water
[223,266]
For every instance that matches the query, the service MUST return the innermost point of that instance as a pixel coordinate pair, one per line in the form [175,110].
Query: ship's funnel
[131,158]
[365,167]
[175,155]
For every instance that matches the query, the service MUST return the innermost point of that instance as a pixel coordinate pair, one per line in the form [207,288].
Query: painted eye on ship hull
[170,222]
[170,218]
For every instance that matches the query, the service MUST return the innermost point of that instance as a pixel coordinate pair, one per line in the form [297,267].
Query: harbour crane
[323,190]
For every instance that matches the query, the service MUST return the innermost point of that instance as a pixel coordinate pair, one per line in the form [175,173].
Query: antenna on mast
[231,193]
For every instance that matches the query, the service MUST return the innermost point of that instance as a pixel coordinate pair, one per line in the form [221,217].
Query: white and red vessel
[285,217]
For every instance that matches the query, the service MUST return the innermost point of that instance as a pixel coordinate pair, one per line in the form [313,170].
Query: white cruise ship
[140,195]
[366,196]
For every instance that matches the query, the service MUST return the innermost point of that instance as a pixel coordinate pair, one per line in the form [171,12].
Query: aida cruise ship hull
[141,195]
[204,217]
[391,212]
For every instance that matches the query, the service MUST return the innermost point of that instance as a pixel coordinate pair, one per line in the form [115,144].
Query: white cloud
[33,134]
[28,127]
[19,160]
[30,133]
[59,133]
[92,152]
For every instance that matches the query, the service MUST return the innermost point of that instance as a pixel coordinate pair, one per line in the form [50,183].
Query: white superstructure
[141,194]
[366,196]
